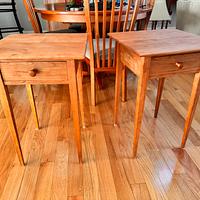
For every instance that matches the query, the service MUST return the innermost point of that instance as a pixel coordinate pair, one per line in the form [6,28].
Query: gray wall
[188,16]
[7,19]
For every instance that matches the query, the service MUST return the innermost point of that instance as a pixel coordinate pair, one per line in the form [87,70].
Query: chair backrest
[107,19]
[32,15]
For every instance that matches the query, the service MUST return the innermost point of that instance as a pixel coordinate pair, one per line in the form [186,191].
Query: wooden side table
[157,54]
[42,59]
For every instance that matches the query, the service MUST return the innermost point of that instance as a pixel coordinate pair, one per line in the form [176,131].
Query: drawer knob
[179,65]
[33,72]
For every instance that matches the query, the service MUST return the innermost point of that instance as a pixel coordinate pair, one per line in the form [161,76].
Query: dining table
[57,12]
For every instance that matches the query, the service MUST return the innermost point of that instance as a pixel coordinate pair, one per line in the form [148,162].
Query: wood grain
[107,158]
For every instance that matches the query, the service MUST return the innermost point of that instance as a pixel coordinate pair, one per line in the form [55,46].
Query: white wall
[188,15]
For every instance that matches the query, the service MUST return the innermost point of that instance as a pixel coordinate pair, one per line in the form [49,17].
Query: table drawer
[168,65]
[34,72]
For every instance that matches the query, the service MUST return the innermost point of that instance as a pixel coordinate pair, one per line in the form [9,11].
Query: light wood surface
[56,47]
[147,60]
[42,59]
[172,41]
[161,170]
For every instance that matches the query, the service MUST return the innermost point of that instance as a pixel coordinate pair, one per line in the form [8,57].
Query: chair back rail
[107,20]
[32,15]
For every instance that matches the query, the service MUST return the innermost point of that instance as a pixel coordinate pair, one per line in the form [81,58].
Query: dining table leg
[117,87]
[161,82]
[192,107]
[29,90]
[140,100]
[7,108]
[73,89]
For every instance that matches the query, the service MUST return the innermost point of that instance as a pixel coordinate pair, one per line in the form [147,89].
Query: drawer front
[34,72]
[169,65]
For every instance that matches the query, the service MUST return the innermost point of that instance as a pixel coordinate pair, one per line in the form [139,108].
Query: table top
[60,8]
[43,47]
[159,42]
[57,12]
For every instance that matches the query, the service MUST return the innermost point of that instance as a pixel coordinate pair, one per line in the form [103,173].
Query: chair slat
[112,20]
[104,33]
[33,17]
[127,15]
[120,15]
[134,15]
[97,33]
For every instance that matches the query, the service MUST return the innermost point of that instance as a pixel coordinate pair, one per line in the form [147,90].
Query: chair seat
[87,54]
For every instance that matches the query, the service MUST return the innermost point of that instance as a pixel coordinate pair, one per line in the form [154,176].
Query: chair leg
[117,88]
[7,108]
[124,84]
[191,108]
[159,95]
[93,87]
[29,90]
[80,91]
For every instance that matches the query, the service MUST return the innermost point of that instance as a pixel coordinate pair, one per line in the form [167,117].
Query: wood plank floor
[161,171]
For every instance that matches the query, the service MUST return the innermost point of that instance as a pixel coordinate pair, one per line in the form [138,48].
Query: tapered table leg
[140,100]
[191,108]
[159,95]
[7,108]
[75,105]
[80,92]
[117,87]
[124,84]
[29,90]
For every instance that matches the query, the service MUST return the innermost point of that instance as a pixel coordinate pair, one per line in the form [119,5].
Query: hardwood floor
[161,171]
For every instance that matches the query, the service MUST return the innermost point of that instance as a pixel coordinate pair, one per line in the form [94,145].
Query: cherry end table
[41,59]
[156,54]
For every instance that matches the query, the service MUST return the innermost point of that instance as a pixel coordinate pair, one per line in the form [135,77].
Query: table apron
[163,66]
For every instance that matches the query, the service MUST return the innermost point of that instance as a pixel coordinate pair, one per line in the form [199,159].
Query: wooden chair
[101,51]
[35,22]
